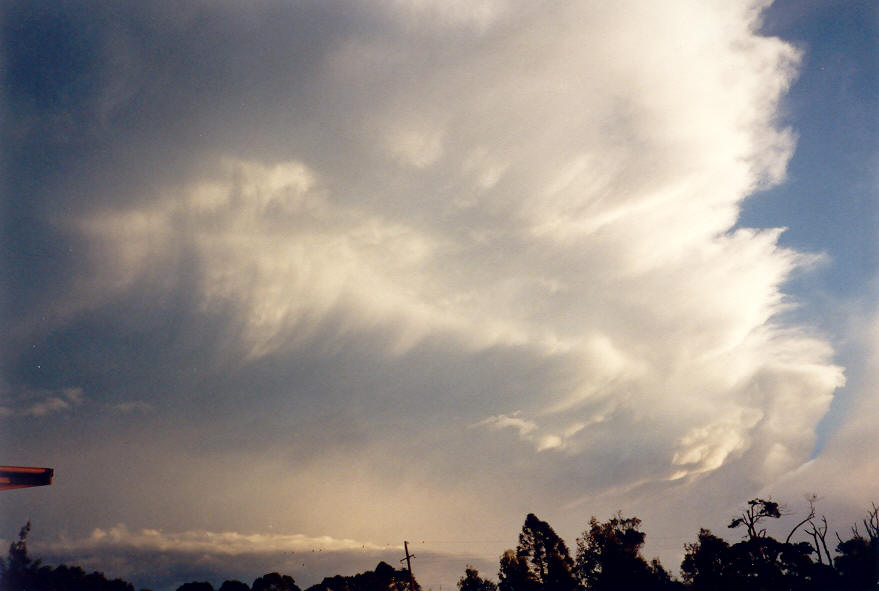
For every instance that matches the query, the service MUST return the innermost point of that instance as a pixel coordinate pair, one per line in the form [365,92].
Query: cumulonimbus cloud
[570,191]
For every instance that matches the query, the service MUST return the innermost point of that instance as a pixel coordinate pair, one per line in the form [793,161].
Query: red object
[24,477]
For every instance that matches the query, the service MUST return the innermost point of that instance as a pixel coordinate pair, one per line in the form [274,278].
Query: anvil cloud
[412,269]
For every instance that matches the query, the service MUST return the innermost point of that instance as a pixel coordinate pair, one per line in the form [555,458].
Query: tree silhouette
[546,555]
[196,586]
[270,582]
[858,560]
[19,572]
[234,585]
[471,581]
[383,578]
[514,574]
[762,563]
[609,557]
[18,569]
[758,509]
[705,565]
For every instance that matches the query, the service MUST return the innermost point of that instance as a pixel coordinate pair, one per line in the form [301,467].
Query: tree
[272,582]
[18,570]
[546,556]
[858,560]
[196,586]
[662,579]
[758,509]
[705,563]
[514,574]
[858,563]
[759,561]
[234,585]
[609,557]
[383,578]
[471,581]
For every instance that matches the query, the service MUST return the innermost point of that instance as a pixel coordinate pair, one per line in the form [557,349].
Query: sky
[287,283]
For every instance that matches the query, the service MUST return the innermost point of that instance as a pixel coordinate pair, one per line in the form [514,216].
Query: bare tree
[811,498]
[871,522]
[819,533]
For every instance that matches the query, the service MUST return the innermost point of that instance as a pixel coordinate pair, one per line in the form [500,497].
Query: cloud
[502,421]
[841,475]
[708,447]
[53,404]
[313,239]
[528,430]
[48,402]
[279,252]
[554,206]
[229,543]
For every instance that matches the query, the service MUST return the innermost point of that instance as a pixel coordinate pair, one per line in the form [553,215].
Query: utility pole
[409,565]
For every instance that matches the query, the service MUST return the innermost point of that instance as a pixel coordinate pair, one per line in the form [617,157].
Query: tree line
[20,572]
[608,557]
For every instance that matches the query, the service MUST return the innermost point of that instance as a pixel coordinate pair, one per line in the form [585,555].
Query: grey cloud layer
[335,232]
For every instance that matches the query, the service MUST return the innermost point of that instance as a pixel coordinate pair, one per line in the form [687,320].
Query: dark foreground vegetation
[608,558]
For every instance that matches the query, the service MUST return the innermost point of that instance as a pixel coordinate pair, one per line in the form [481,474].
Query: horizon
[184,559]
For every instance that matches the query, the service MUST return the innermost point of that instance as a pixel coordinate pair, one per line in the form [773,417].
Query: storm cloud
[393,271]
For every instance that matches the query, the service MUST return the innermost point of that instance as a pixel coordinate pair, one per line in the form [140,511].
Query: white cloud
[524,427]
[280,252]
[706,448]
[560,185]
[843,474]
[529,430]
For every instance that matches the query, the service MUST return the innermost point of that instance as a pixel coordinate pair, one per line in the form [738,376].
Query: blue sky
[295,277]
[832,180]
